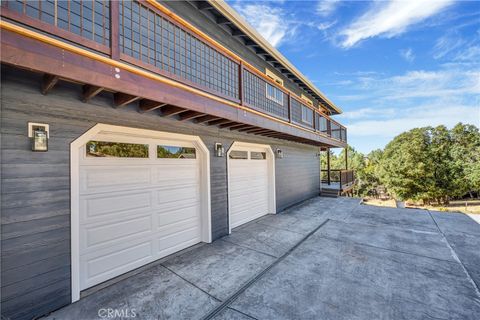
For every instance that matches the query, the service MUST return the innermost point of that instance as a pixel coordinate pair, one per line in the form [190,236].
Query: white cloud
[407,54]
[271,22]
[447,44]
[326,7]
[436,114]
[471,53]
[390,18]
[367,113]
[417,98]
[444,83]
[326,25]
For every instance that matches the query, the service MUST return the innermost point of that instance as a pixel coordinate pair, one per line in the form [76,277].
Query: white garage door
[249,179]
[139,201]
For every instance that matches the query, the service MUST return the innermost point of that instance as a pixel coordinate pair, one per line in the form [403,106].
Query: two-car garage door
[139,195]
[139,200]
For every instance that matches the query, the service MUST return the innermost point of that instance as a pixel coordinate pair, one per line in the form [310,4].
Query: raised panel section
[106,266]
[96,179]
[115,203]
[117,232]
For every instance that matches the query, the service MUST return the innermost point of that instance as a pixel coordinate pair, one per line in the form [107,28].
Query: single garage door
[250,182]
[139,200]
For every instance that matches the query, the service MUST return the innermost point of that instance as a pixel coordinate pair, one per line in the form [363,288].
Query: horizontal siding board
[22,258]
[28,199]
[50,209]
[29,157]
[36,303]
[14,171]
[24,228]
[29,271]
[16,290]
[17,185]
[32,242]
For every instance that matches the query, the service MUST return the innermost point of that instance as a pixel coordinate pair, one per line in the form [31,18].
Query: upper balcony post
[346,158]
[114,29]
[289,107]
[241,88]
[328,166]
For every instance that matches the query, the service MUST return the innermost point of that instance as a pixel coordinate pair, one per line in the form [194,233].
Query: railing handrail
[165,13]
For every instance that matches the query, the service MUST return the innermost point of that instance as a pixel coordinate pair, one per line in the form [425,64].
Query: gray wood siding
[296,175]
[35,207]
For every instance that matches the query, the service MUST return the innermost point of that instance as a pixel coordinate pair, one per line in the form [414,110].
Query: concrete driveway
[324,259]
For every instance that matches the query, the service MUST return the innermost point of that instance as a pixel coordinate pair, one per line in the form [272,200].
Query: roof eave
[245,27]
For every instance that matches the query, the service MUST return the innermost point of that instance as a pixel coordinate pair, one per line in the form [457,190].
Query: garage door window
[254,155]
[235,154]
[116,150]
[175,152]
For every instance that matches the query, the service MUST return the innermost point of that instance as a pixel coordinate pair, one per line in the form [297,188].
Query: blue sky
[390,65]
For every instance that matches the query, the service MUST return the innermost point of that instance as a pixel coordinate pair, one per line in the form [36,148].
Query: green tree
[465,154]
[442,173]
[405,167]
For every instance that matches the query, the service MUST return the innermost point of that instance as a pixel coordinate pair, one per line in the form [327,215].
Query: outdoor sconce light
[38,134]
[219,150]
[279,153]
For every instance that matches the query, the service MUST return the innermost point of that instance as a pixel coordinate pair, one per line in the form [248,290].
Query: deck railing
[344,178]
[139,33]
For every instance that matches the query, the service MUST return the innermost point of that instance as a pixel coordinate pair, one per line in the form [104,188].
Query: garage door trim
[245,146]
[77,146]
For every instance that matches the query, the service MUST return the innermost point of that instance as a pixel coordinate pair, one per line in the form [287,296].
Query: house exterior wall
[35,193]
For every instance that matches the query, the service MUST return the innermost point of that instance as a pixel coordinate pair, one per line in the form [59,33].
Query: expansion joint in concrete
[234,296]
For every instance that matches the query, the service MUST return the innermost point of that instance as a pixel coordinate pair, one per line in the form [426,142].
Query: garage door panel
[171,198]
[118,232]
[180,228]
[114,204]
[177,172]
[177,215]
[254,205]
[245,192]
[105,178]
[106,266]
[178,241]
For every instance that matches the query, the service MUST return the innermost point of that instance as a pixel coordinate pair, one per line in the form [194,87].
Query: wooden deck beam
[243,126]
[121,99]
[229,125]
[89,92]
[206,119]
[189,115]
[219,121]
[149,105]
[169,111]
[48,82]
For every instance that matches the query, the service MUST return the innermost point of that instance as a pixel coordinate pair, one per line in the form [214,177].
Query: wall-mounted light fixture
[318,155]
[39,135]
[219,150]
[279,154]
